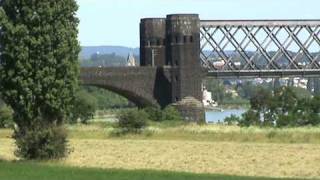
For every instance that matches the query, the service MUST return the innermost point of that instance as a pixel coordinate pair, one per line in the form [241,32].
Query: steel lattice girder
[248,47]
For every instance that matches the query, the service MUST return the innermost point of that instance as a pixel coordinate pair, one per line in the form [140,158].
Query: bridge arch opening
[126,98]
[107,99]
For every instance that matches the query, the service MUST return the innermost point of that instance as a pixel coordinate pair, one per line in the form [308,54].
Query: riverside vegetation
[282,108]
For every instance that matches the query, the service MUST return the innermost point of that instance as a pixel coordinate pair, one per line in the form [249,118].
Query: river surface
[217,116]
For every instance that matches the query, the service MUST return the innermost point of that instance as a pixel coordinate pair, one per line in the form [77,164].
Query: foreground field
[213,149]
[242,159]
[26,171]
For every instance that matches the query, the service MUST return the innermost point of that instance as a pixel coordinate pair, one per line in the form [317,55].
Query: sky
[116,22]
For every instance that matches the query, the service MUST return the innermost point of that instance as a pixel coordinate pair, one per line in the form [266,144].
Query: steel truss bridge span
[260,48]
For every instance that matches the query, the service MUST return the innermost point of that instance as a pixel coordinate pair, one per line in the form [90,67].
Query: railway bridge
[178,51]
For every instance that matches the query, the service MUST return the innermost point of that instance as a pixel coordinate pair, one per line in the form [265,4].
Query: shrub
[170,113]
[232,120]
[41,142]
[250,118]
[154,113]
[132,121]
[6,117]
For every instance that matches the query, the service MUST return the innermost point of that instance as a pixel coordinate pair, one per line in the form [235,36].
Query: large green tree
[39,71]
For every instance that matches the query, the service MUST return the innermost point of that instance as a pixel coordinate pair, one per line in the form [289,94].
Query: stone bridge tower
[170,71]
[174,43]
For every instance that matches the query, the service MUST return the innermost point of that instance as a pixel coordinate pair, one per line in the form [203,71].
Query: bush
[85,105]
[170,113]
[6,117]
[41,142]
[154,113]
[232,120]
[132,121]
[250,118]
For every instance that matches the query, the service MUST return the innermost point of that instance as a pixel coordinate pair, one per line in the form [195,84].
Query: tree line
[281,108]
[105,60]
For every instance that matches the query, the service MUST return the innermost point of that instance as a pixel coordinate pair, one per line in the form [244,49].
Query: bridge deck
[264,74]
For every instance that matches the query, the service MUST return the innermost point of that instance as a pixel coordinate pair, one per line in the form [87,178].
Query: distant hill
[87,51]
[116,55]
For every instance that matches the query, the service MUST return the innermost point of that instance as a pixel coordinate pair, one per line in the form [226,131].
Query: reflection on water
[217,116]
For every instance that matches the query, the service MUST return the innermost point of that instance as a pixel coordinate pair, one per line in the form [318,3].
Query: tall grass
[256,134]
[183,131]
[232,134]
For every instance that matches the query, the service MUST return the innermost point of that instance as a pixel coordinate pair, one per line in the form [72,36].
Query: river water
[217,116]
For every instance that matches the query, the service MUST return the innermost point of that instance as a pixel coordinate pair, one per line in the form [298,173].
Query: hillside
[87,51]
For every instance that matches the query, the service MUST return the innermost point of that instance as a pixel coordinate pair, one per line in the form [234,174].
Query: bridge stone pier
[170,70]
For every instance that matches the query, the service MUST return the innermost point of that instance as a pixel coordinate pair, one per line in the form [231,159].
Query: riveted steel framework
[261,48]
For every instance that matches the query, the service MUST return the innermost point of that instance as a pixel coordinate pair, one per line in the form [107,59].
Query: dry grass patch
[5,133]
[7,148]
[270,160]
[270,152]
[245,159]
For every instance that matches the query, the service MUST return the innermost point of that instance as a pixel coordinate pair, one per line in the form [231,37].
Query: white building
[131,62]
[207,99]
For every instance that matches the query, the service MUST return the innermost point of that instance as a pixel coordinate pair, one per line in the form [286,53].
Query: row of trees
[247,89]
[104,60]
[220,95]
[282,108]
